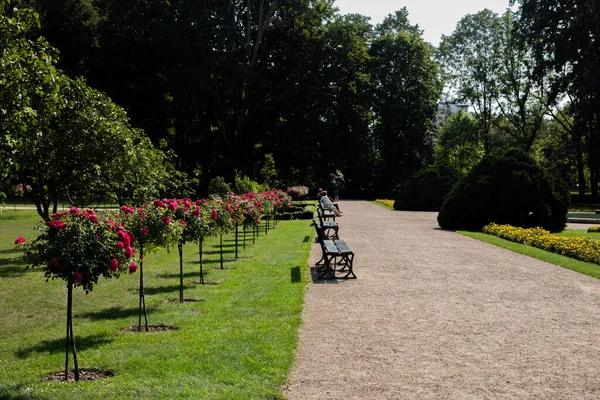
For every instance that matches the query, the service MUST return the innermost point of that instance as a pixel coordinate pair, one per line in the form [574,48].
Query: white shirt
[326,203]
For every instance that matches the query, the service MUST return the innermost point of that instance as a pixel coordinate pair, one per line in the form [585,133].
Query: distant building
[447,108]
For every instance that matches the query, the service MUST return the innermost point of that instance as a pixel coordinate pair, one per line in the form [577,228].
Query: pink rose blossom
[73,210]
[213,214]
[19,240]
[56,224]
[172,205]
[128,252]
[120,245]
[158,203]
[114,264]
[166,220]
[132,268]
[145,231]
[183,223]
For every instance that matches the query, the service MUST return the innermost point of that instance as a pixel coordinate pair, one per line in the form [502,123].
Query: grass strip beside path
[553,258]
[236,340]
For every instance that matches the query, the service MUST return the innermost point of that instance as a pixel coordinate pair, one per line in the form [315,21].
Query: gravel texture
[437,315]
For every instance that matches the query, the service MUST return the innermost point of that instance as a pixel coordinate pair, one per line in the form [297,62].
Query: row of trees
[240,86]
[289,91]
[531,80]
[79,247]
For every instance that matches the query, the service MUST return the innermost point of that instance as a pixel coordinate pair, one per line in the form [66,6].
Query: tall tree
[470,61]
[405,94]
[565,34]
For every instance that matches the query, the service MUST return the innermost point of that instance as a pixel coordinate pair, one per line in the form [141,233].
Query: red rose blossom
[145,231]
[128,252]
[19,240]
[78,277]
[53,264]
[132,268]
[213,214]
[166,220]
[114,264]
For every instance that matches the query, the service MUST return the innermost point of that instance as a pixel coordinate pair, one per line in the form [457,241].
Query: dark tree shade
[425,190]
[509,188]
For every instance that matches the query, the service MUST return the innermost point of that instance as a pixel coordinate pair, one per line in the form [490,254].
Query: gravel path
[436,315]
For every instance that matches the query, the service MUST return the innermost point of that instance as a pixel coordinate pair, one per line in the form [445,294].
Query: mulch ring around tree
[84,375]
[151,328]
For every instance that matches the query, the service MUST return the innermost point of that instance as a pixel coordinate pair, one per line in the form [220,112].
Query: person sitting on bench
[328,205]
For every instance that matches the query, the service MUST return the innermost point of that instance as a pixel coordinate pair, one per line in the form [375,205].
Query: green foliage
[219,187]
[402,67]
[425,190]
[458,143]
[243,184]
[63,136]
[470,61]
[268,173]
[79,247]
[508,188]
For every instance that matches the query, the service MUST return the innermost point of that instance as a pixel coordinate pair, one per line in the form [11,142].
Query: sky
[434,17]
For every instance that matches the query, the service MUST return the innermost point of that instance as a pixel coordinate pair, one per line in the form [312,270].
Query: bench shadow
[295,275]
[314,276]
[58,345]
[114,313]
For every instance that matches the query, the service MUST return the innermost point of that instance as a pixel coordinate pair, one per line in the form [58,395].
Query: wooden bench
[327,214]
[330,228]
[337,258]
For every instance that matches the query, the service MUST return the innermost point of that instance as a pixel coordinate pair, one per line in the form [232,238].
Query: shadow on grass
[11,251]
[114,313]
[9,269]
[307,239]
[295,275]
[164,289]
[14,392]
[190,274]
[58,345]
[218,252]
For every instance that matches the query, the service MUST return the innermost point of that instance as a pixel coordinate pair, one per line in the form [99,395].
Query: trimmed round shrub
[509,188]
[425,190]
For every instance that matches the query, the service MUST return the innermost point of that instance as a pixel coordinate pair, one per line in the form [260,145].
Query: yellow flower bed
[389,203]
[594,229]
[583,249]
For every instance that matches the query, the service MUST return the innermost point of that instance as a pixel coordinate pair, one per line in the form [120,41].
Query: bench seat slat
[342,247]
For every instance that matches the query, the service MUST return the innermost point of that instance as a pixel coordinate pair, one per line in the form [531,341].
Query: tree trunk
[200,255]
[142,298]
[70,342]
[180,248]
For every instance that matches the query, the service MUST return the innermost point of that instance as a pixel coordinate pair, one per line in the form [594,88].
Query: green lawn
[237,340]
[557,259]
